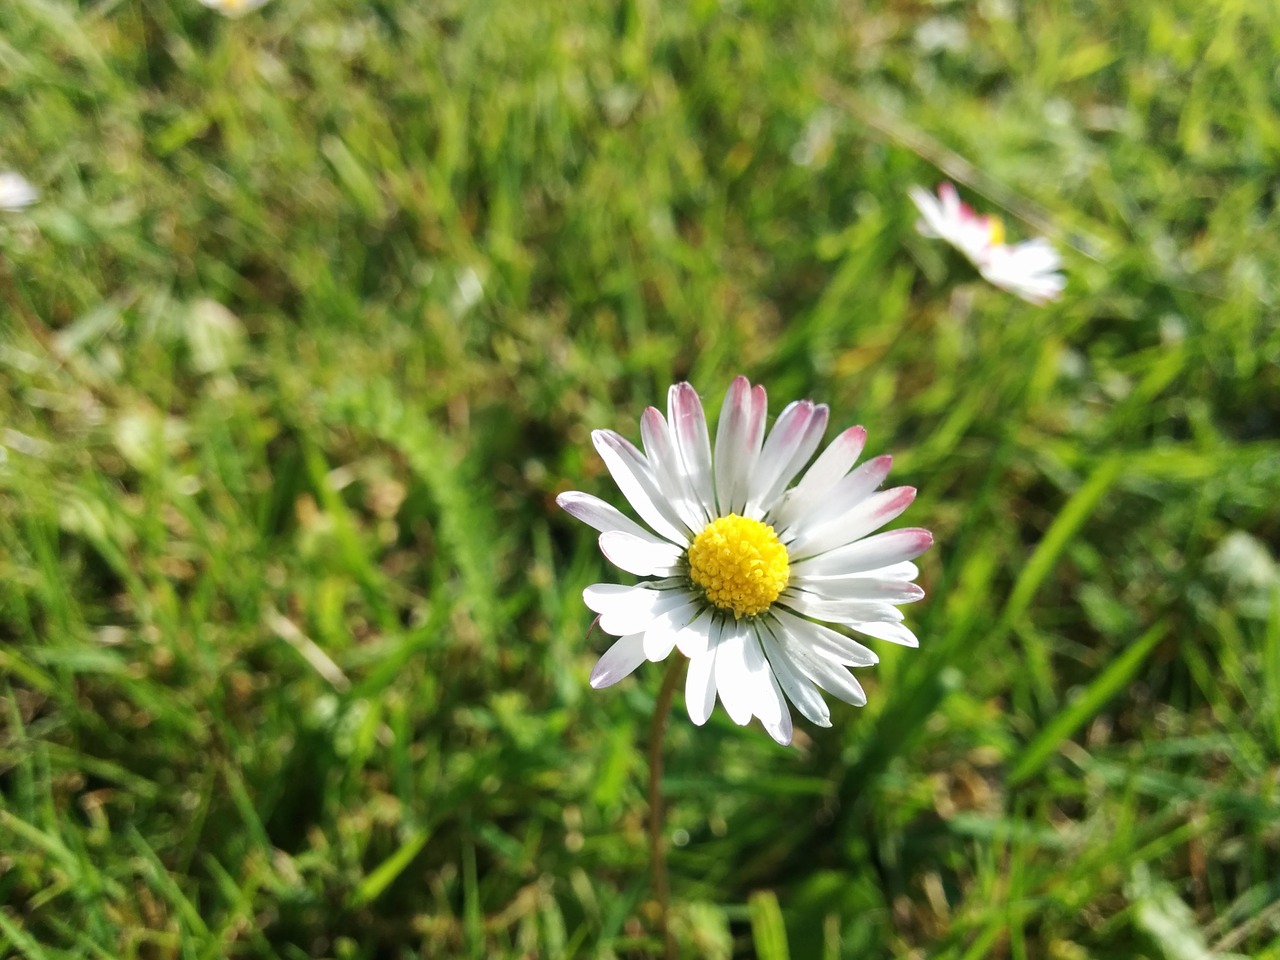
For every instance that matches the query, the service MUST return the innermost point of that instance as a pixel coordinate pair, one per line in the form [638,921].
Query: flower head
[743,565]
[234,8]
[1028,270]
[16,193]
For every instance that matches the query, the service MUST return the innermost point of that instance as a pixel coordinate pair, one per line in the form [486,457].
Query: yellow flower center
[995,228]
[740,565]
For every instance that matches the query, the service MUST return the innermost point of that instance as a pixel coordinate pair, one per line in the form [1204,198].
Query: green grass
[293,658]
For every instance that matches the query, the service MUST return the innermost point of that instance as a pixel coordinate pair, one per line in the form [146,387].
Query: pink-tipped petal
[843,498]
[596,513]
[667,468]
[689,432]
[871,514]
[634,477]
[832,464]
[878,550]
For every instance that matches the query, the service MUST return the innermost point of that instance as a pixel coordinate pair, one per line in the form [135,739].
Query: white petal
[766,699]
[892,632]
[619,661]
[871,514]
[863,589]
[833,463]
[738,439]
[881,549]
[791,443]
[845,496]
[795,685]
[622,609]
[839,611]
[667,468]
[640,615]
[644,558]
[689,433]
[16,192]
[700,683]
[634,477]
[826,642]
[596,513]
[831,677]
[660,637]
[932,222]
[733,680]
[779,729]
[695,639]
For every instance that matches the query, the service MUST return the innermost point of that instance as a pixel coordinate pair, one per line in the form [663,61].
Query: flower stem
[657,847]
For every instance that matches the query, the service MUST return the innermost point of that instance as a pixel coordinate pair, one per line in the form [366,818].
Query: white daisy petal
[766,700]
[1027,270]
[833,463]
[830,676]
[844,497]
[863,588]
[16,192]
[840,611]
[817,426]
[738,439]
[795,685]
[234,8]
[638,613]
[826,642]
[871,514]
[596,513]
[644,558]
[694,639]
[660,637]
[634,477]
[689,432]
[668,470]
[780,729]
[619,661]
[871,553]
[794,436]
[892,632]
[933,222]
[622,609]
[733,679]
[700,683]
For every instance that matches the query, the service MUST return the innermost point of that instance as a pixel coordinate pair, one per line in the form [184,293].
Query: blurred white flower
[1028,269]
[16,193]
[234,8]
[744,567]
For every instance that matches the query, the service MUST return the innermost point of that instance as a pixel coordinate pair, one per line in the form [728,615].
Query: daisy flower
[234,8]
[1028,270]
[16,193]
[744,569]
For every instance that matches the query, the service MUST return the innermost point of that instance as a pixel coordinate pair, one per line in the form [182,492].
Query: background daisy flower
[1028,269]
[744,568]
[16,192]
[234,8]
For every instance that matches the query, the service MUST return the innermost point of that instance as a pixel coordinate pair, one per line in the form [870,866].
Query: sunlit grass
[293,658]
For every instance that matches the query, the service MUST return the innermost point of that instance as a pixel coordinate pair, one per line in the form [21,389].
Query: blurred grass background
[313,321]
